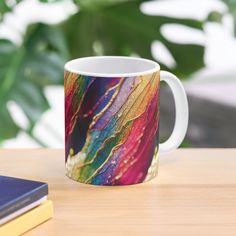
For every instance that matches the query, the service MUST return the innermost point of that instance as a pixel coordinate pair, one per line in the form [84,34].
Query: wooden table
[194,194]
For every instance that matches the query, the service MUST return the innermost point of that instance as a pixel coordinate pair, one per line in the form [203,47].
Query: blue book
[16,194]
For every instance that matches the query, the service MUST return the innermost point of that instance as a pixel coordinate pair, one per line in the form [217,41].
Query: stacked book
[23,205]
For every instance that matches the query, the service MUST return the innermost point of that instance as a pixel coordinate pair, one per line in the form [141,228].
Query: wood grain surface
[194,194]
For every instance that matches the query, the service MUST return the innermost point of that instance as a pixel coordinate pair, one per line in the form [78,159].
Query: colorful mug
[112,119]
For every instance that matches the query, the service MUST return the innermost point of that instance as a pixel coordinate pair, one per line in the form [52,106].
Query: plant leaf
[122,29]
[232,9]
[92,5]
[8,128]
[26,70]
[7,6]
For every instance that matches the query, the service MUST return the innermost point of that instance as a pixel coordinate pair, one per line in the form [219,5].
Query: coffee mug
[112,119]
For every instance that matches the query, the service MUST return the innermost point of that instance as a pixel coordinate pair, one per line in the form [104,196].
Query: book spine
[25,200]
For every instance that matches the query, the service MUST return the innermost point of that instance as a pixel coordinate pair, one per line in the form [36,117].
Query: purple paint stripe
[117,104]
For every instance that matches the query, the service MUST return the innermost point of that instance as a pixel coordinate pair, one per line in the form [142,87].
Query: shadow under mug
[112,119]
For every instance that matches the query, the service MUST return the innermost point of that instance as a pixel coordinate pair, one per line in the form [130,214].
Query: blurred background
[195,39]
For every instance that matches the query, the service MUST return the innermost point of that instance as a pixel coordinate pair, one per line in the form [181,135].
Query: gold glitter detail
[152,170]
[114,135]
[88,136]
[142,91]
[96,117]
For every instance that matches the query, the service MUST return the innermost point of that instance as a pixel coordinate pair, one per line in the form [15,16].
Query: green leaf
[92,5]
[101,27]
[31,99]
[215,16]
[122,29]
[232,10]
[49,1]
[8,129]
[4,8]
[26,70]
[189,58]
[7,6]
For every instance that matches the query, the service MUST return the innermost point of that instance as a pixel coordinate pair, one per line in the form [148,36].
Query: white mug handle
[181,110]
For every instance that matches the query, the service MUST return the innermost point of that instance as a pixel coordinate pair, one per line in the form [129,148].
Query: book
[16,194]
[22,211]
[28,221]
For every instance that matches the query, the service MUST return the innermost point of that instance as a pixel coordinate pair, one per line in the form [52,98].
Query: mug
[112,119]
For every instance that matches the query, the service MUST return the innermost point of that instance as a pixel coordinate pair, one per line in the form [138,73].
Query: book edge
[34,195]
[22,210]
[29,220]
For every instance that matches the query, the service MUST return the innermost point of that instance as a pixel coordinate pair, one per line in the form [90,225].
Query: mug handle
[181,112]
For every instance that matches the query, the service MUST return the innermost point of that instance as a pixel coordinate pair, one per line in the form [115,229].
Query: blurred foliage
[101,27]
[5,6]
[217,16]
[122,29]
[25,70]
[232,10]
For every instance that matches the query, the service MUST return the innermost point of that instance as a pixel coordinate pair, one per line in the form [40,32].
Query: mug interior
[112,66]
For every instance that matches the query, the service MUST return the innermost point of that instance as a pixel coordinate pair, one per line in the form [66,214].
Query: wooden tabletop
[194,194]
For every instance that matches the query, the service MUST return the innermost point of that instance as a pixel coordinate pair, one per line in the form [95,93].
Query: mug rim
[72,66]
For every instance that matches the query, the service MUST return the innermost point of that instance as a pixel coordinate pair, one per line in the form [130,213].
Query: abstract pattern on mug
[111,128]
